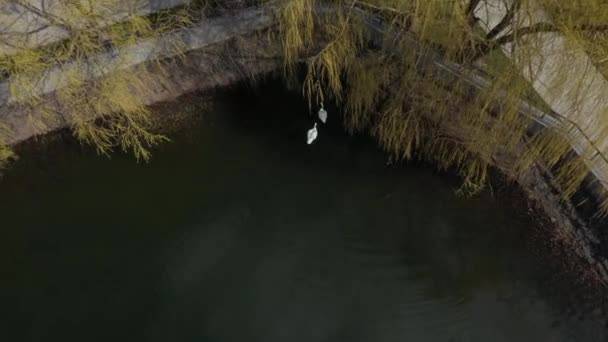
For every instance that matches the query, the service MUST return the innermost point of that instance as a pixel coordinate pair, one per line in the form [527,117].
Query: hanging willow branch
[107,112]
[391,90]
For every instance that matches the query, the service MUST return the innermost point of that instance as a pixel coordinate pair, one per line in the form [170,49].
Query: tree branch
[544,28]
[360,3]
[54,20]
[506,20]
[490,46]
[470,11]
[472,6]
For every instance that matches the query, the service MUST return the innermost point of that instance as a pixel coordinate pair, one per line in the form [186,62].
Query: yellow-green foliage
[106,112]
[570,14]
[390,91]
[386,87]
[296,26]
[6,153]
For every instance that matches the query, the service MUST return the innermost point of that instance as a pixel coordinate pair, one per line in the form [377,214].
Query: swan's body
[322,115]
[312,134]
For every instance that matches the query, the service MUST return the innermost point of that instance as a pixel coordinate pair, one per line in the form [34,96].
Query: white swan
[322,114]
[312,134]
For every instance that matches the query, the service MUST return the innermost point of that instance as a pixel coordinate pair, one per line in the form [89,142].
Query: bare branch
[470,11]
[373,7]
[43,14]
[490,46]
[506,20]
[546,27]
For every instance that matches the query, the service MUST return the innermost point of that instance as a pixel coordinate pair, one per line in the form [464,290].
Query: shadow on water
[243,232]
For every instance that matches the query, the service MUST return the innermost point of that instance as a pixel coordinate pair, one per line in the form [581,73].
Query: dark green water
[239,231]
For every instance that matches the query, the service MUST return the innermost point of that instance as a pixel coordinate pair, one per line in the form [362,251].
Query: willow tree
[75,46]
[444,79]
[409,71]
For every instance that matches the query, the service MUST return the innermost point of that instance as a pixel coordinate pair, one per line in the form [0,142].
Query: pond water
[239,231]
